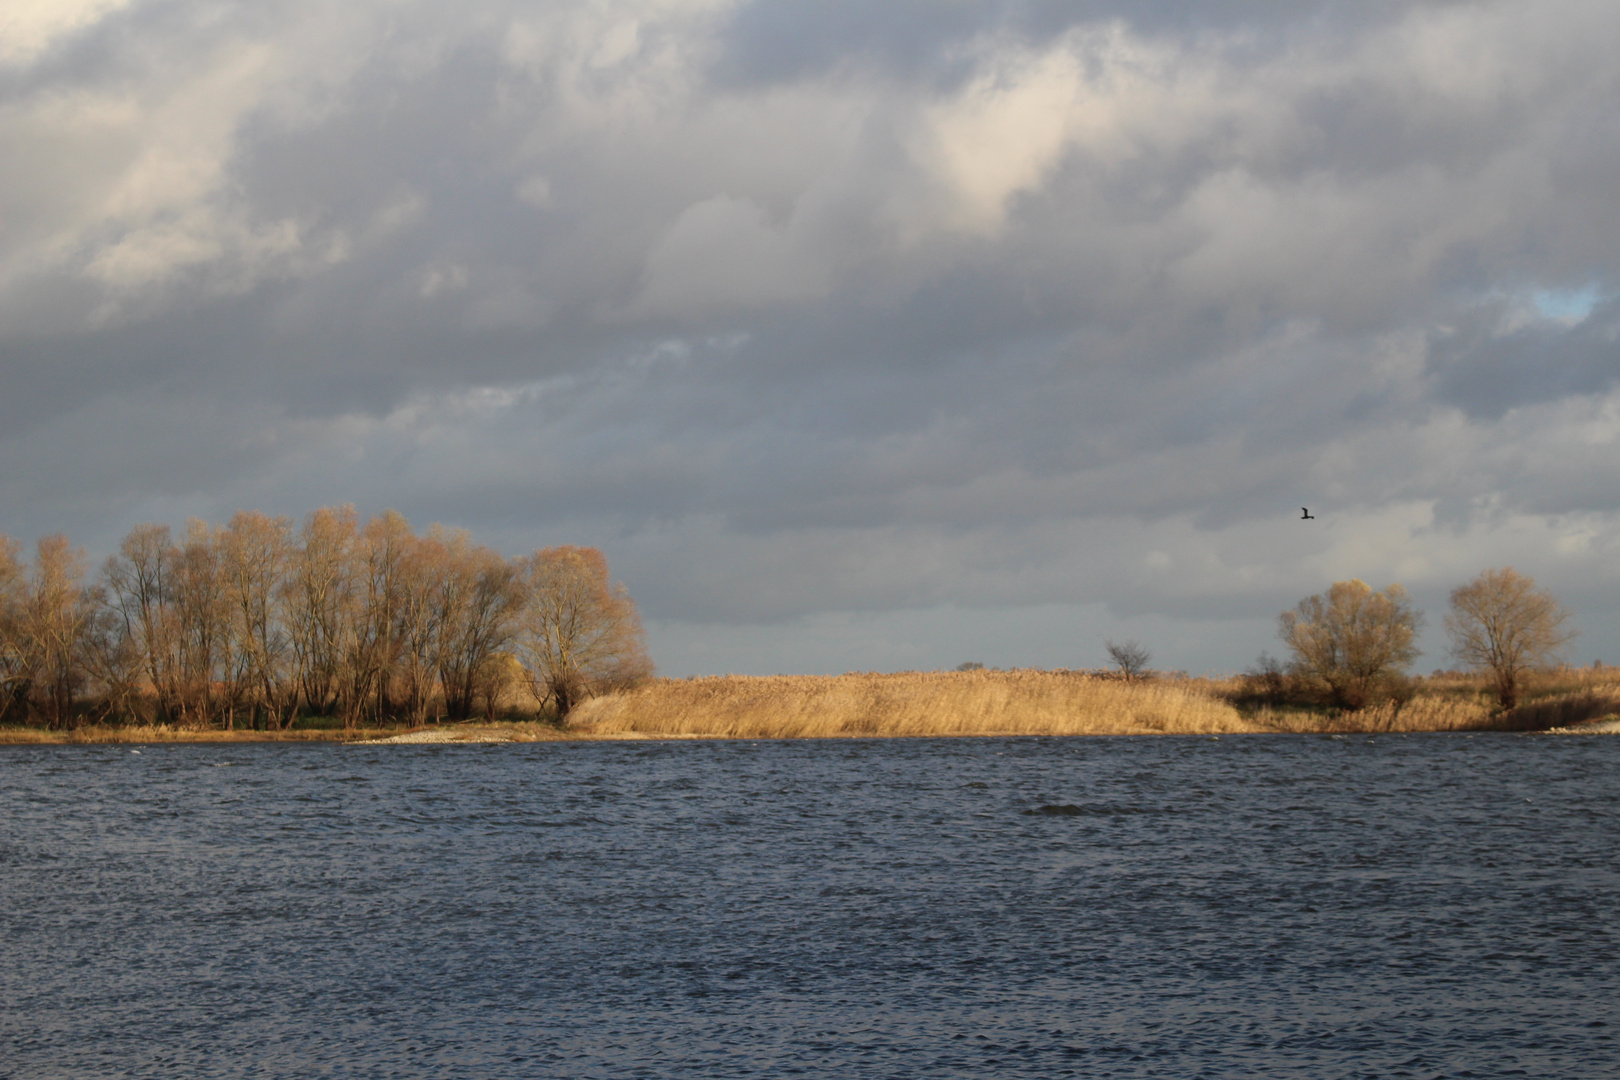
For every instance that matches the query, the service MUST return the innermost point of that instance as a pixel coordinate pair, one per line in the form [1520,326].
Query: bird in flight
[1306,515]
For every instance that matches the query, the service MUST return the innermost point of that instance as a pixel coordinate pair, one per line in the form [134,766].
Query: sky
[859,336]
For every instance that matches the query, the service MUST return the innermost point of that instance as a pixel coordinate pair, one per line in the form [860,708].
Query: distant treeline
[257,623]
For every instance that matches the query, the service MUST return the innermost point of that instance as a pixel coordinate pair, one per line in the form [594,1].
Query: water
[1423,906]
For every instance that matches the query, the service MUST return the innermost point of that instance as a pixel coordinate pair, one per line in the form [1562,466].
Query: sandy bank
[446,735]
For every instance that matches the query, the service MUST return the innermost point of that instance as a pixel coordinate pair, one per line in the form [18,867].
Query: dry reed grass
[1562,711]
[1030,702]
[908,704]
[1422,713]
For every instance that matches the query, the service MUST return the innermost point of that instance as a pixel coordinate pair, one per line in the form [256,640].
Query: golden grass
[1422,713]
[1030,702]
[913,703]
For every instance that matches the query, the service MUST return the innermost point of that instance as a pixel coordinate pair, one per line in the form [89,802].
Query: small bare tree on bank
[1501,623]
[1131,658]
[579,632]
[1354,640]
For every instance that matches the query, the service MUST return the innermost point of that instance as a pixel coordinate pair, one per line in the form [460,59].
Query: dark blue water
[1423,906]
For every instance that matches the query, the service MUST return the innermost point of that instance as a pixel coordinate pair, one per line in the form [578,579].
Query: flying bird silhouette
[1306,515]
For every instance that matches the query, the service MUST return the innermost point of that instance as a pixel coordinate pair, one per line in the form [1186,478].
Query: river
[1249,906]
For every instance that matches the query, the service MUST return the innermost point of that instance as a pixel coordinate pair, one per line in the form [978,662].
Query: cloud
[824,315]
[723,252]
[29,28]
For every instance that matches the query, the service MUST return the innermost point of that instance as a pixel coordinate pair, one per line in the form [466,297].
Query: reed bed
[1032,702]
[1422,713]
[1562,711]
[913,703]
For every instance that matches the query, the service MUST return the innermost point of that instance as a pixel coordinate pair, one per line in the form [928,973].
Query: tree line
[1352,644]
[257,623]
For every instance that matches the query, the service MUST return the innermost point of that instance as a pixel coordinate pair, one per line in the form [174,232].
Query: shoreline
[482,735]
[973,704]
[447,733]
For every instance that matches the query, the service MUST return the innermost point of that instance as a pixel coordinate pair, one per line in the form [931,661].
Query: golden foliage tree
[579,633]
[1501,623]
[1353,639]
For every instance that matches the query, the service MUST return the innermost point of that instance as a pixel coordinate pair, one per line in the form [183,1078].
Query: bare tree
[386,546]
[417,666]
[13,646]
[138,588]
[496,678]
[1352,638]
[320,599]
[254,554]
[580,632]
[479,598]
[111,657]
[1500,623]
[206,673]
[55,618]
[382,553]
[1131,658]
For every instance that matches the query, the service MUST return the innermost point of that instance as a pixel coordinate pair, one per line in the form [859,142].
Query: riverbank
[958,703]
[518,731]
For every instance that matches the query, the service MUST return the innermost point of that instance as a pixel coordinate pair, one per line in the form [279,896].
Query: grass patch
[919,703]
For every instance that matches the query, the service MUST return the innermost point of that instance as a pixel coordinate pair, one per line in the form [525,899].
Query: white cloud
[30,27]
[1002,133]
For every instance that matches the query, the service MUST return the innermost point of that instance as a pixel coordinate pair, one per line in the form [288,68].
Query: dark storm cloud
[805,310]
[1488,370]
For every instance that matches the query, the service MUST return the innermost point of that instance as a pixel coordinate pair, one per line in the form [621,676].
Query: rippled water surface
[1419,906]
